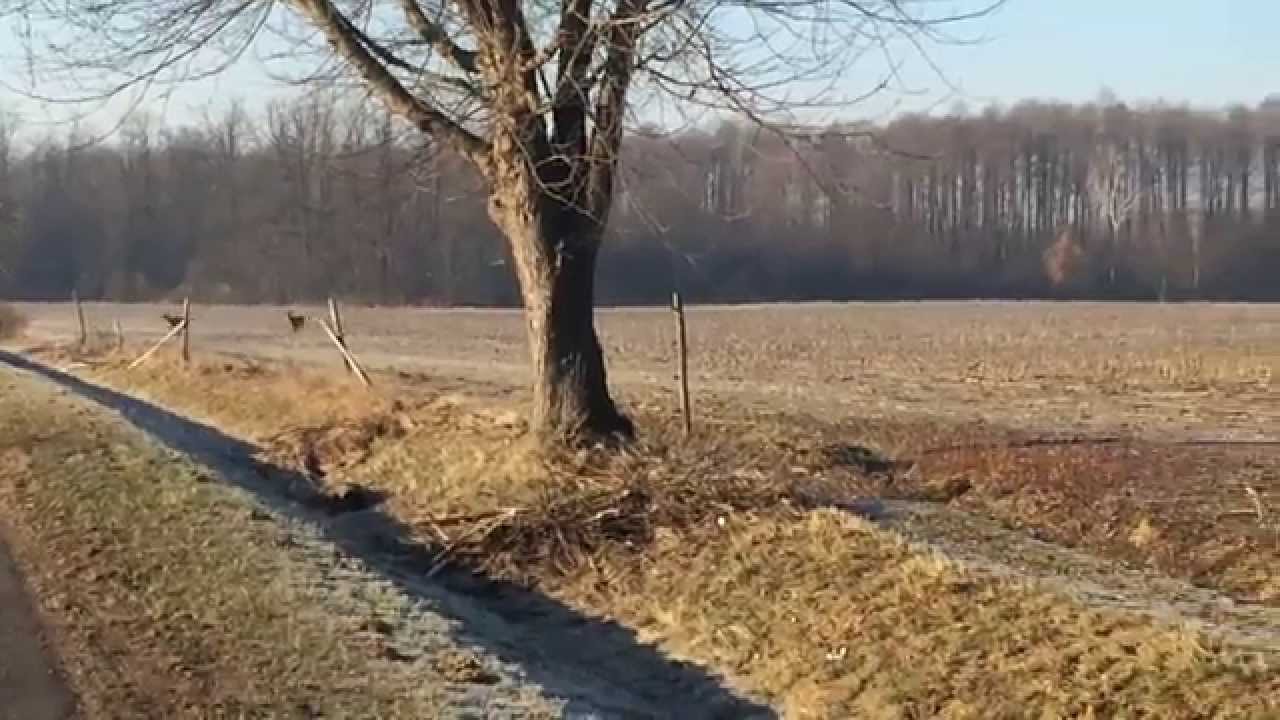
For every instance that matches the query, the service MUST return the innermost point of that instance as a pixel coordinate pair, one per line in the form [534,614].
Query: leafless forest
[323,195]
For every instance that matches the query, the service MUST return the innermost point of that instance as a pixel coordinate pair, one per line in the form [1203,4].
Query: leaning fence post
[682,365]
[152,351]
[346,354]
[84,330]
[335,323]
[186,331]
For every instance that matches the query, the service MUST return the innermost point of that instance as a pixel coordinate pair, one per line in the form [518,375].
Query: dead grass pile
[12,323]
[324,450]
[604,503]
[489,498]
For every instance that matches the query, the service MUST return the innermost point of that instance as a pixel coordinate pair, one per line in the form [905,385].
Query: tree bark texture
[555,247]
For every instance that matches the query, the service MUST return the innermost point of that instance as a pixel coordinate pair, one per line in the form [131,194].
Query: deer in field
[296,321]
[173,320]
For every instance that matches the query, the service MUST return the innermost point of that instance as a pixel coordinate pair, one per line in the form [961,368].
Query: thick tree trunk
[555,254]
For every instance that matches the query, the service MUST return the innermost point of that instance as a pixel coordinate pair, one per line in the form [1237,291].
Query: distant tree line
[322,196]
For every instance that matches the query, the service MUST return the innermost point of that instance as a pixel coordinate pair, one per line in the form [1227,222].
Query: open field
[1082,497]
[1169,370]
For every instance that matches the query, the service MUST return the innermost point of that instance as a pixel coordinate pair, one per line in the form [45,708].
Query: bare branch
[620,39]
[576,43]
[435,35]
[337,30]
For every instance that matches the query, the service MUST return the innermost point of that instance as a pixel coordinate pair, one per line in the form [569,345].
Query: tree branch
[337,31]
[576,40]
[435,36]
[620,38]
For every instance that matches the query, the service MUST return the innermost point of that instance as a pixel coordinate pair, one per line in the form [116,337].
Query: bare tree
[534,93]
[1114,193]
[10,217]
[840,218]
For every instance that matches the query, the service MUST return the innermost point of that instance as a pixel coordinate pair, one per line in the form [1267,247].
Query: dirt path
[529,646]
[30,686]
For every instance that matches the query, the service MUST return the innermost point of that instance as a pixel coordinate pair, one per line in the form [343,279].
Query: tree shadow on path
[600,668]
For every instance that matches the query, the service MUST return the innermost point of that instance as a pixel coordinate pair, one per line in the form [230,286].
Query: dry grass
[494,500]
[12,322]
[167,597]
[1183,509]
[832,617]
[247,399]
[705,547]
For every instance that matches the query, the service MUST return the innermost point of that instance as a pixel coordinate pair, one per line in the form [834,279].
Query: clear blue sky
[1207,53]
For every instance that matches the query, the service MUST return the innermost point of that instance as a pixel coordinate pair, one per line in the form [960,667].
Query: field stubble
[1167,370]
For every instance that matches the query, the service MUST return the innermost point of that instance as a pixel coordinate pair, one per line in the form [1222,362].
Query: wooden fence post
[346,354]
[335,323]
[682,367]
[186,331]
[84,330]
[119,336]
[152,351]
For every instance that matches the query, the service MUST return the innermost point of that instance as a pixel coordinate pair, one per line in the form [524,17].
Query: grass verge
[167,594]
[706,548]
